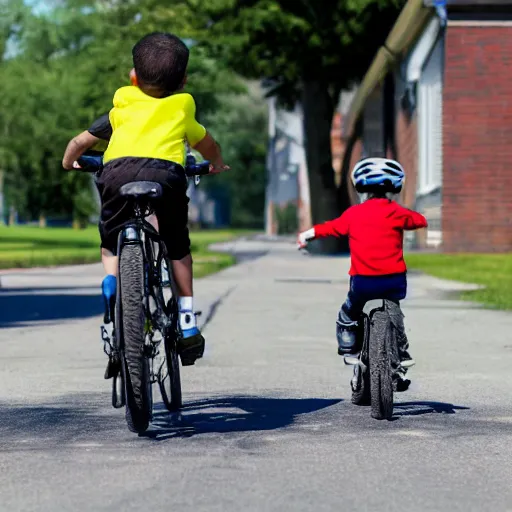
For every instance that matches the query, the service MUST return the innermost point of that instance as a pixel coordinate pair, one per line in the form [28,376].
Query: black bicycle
[378,363]
[143,345]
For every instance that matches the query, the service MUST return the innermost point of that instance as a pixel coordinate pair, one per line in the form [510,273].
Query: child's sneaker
[191,343]
[346,341]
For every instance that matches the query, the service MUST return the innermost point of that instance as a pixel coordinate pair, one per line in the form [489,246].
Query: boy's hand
[305,237]
[216,169]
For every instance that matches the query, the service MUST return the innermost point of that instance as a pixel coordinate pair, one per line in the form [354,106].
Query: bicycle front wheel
[380,355]
[135,364]
[170,385]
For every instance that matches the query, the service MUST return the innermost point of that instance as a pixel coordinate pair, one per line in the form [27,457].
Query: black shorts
[171,209]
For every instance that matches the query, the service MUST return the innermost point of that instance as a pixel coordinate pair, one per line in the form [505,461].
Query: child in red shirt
[375,229]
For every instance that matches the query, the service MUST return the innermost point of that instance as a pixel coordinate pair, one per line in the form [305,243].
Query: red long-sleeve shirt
[375,230]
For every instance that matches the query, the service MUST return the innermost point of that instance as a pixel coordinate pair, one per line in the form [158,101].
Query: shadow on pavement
[419,408]
[21,307]
[233,414]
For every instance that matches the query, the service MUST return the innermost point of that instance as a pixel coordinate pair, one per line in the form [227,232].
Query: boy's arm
[210,151]
[100,130]
[199,138]
[414,220]
[336,227]
[77,147]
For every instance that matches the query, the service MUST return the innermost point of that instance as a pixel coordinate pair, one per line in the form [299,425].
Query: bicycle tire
[170,387]
[381,382]
[135,364]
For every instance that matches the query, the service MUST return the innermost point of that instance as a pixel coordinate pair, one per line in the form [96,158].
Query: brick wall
[407,147]
[477,141]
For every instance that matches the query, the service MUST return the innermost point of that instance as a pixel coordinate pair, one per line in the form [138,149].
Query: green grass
[494,271]
[25,247]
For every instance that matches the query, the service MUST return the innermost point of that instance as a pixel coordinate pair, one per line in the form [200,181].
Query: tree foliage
[59,69]
[308,50]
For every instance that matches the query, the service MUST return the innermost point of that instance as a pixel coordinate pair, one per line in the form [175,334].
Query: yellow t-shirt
[147,127]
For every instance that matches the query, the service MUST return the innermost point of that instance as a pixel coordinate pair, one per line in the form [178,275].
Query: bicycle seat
[138,189]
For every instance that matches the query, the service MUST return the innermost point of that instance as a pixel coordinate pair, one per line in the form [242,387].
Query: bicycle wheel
[380,350]
[170,385]
[135,364]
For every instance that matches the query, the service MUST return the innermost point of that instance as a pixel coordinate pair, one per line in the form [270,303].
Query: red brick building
[438,97]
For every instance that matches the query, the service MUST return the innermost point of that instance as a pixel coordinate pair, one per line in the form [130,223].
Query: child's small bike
[377,364]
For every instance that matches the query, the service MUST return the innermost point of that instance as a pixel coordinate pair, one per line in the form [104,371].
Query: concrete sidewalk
[267,424]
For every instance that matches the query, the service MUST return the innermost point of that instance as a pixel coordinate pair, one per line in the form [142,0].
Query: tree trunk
[318,108]
[13,215]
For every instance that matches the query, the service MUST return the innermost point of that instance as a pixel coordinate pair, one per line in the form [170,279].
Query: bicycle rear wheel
[380,355]
[135,364]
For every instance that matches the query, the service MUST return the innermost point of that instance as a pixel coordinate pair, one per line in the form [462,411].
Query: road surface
[268,424]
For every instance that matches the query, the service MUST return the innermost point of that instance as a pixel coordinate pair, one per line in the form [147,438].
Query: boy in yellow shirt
[147,131]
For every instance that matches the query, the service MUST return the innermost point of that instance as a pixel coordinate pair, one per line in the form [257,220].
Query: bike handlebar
[90,163]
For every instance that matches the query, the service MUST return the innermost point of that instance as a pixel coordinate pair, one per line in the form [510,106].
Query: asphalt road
[268,424]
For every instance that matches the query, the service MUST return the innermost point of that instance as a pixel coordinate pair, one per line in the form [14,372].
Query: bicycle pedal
[113,368]
[351,359]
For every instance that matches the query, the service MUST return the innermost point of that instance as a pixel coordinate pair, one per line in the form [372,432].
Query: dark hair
[160,61]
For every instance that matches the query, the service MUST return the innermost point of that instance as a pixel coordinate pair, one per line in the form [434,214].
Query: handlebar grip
[200,169]
[90,163]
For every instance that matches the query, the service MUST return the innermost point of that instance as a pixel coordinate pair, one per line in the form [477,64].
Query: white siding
[430,123]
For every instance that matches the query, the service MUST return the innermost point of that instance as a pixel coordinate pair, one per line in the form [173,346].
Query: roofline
[408,27]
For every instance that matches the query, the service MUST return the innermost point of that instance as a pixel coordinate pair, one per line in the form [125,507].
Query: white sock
[187,317]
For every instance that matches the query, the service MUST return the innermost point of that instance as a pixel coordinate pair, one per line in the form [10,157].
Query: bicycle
[378,362]
[143,320]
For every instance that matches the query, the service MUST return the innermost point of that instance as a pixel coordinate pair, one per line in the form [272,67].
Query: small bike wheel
[135,364]
[381,381]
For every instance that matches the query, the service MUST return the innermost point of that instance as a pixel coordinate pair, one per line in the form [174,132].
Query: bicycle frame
[140,231]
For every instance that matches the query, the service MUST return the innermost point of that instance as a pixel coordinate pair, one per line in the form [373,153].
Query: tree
[59,75]
[310,50]
[240,126]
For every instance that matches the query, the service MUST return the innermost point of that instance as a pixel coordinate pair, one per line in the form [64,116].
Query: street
[267,423]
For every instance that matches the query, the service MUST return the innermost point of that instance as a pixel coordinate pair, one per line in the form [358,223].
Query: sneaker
[407,362]
[346,341]
[191,342]
[400,383]
[191,346]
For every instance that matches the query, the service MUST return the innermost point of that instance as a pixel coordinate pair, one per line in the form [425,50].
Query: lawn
[494,271]
[24,247]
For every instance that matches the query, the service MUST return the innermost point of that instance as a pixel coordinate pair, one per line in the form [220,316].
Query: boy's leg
[348,317]
[183,275]
[172,214]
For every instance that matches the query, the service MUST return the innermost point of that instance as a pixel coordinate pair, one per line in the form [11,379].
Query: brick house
[438,97]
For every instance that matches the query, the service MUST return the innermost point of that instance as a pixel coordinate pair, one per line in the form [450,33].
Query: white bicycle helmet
[378,174]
